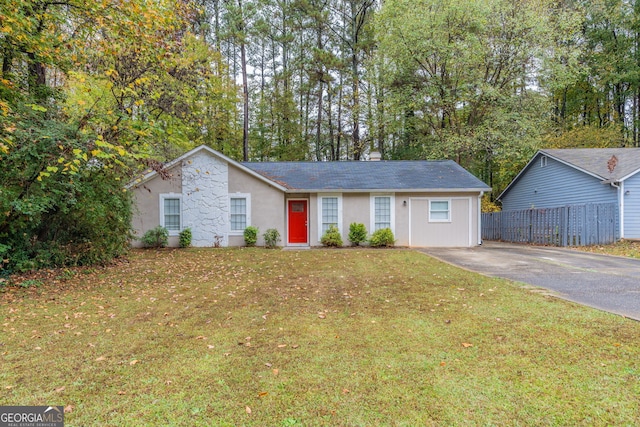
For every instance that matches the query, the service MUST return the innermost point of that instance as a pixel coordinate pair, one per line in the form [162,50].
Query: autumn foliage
[87,91]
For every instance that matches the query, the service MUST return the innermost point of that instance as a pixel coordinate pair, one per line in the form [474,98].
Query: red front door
[298,230]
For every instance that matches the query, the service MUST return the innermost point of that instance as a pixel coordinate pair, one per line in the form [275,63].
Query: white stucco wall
[205,189]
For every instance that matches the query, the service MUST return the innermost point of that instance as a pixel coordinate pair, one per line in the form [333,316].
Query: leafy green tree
[58,209]
[88,90]
[464,78]
[607,93]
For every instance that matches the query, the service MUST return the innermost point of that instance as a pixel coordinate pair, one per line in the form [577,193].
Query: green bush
[271,238]
[156,237]
[185,237]
[83,221]
[382,237]
[357,233]
[332,237]
[59,207]
[251,235]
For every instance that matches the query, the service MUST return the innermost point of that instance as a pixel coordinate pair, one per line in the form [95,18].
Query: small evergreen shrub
[156,237]
[332,237]
[185,237]
[271,238]
[382,237]
[357,233]
[251,235]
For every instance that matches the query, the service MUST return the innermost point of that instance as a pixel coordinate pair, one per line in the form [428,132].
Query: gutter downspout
[620,187]
[480,217]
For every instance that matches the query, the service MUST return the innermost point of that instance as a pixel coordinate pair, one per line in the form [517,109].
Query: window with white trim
[239,212]
[439,211]
[329,213]
[382,212]
[171,213]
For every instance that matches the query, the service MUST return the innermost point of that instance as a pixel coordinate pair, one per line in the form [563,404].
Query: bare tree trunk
[339,138]
[330,123]
[245,100]
[355,108]
[319,123]
[245,86]
[381,111]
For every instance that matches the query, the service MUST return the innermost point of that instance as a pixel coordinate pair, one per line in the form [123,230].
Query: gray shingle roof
[596,160]
[381,175]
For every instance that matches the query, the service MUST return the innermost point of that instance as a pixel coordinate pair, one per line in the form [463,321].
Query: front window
[439,211]
[382,212]
[238,213]
[329,213]
[171,212]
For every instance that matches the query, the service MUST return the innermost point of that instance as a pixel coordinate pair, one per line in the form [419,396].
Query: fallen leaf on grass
[210,346]
[295,346]
[60,389]
[101,358]
[122,393]
[133,362]
[247,410]
[263,393]
[282,345]
[68,409]
[276,371]
[345,391]
[201,337]
[466,345]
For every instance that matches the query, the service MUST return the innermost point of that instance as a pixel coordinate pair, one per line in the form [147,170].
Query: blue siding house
[563,177]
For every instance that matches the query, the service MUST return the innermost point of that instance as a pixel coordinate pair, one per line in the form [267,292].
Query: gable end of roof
[150,175]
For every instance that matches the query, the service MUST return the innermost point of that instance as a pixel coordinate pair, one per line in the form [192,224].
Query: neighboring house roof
[596,161]
[418,175]
[606,164]
[441,175]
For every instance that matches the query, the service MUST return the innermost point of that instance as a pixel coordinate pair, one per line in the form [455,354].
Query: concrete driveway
[605,282]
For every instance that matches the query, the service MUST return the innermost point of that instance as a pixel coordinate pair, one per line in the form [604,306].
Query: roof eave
[389,190]
[628,175]
[578,168]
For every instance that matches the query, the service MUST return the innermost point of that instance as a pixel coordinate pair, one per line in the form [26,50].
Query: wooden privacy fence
[575,225]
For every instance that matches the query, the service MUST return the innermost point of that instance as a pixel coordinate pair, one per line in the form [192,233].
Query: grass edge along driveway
[354,337]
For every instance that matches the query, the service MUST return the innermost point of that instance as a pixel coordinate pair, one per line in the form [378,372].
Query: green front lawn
[355,337]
